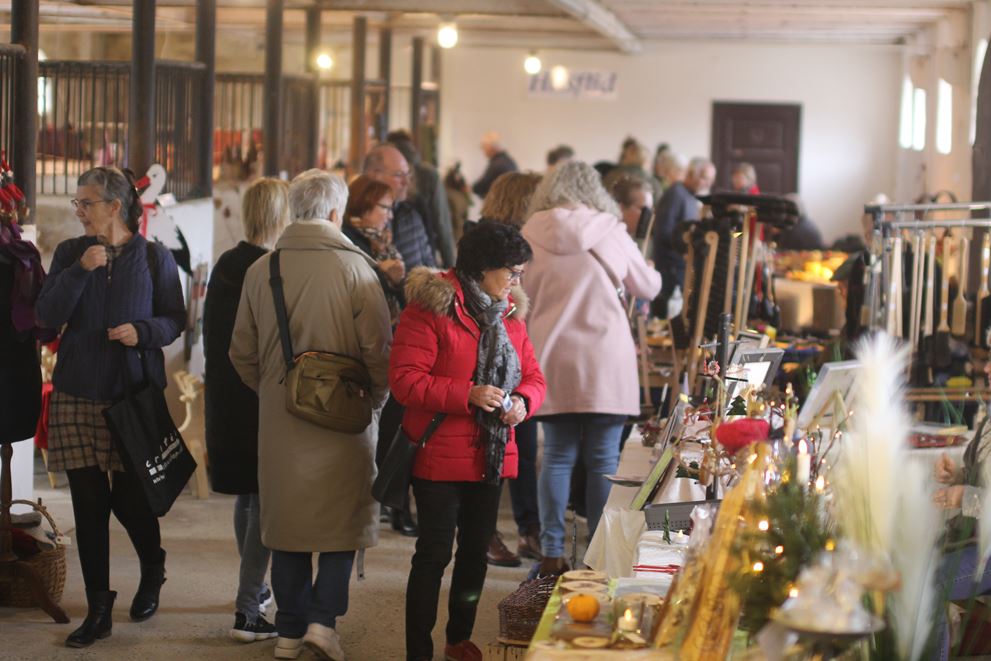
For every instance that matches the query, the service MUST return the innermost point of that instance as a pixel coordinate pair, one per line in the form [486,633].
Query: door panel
[764,135]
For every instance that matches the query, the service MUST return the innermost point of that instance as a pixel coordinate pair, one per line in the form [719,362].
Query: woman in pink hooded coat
[584,263]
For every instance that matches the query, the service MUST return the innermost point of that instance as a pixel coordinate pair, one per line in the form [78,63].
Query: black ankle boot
[145,601]
[403,523]
[98,622]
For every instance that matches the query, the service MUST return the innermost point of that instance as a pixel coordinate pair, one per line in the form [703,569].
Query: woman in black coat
[232,407]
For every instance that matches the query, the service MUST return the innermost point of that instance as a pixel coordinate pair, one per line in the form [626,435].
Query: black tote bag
[392,482]
[149,443]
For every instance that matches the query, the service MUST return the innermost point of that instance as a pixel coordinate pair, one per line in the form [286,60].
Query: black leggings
[93,499]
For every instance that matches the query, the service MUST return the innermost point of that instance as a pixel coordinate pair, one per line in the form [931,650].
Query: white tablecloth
[613,546]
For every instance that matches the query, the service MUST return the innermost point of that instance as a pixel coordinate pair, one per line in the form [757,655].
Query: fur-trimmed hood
[436,292]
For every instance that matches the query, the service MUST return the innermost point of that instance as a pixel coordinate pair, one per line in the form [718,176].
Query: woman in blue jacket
[111,290]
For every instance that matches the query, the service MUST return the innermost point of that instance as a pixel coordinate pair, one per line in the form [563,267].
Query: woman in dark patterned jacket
[112,290]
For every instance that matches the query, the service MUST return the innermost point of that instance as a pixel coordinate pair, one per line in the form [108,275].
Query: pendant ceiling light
[447,35]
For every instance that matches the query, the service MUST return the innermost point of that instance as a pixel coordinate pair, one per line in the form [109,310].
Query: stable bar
[24,153]
[314,16]
[206,54]
[416,97]
[359,46]
[141,116]
[385,73]
[272,110]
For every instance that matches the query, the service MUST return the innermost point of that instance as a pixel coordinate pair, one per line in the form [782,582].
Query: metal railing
[83,122]
[177,87]
[10,56]
[335,123]
[238,113]
[83,110]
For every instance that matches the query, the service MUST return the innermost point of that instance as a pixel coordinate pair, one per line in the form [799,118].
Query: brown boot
[499,555]
[529,545]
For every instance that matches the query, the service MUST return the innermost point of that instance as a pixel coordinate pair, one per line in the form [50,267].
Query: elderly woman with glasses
[461,355]
[112,290]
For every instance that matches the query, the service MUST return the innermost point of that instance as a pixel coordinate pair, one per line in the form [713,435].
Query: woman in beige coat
[314,483]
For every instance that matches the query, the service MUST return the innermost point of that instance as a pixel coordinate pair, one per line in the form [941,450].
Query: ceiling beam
[603,21]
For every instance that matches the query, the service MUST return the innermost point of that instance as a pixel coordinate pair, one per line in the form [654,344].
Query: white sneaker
[324,642]
[288,648]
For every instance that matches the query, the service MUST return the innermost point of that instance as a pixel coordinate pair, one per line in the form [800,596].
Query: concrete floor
[198,598]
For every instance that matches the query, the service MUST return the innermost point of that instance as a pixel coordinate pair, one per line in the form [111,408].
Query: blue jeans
[523,490]
[593,436]
[302,600]
[955,581]
[254,555]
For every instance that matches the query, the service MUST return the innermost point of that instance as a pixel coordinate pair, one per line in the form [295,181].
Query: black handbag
[149,443]
[392,482]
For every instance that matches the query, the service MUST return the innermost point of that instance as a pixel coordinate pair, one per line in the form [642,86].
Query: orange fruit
[583,607]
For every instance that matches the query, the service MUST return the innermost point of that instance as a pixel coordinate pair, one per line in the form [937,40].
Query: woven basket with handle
[520,612]
[49,564]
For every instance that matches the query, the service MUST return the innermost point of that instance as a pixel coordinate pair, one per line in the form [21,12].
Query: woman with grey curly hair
[584,264]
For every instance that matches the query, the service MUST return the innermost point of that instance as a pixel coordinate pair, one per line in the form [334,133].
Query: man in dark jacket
[385,163]
[499,163]
[677,205]
[428,196]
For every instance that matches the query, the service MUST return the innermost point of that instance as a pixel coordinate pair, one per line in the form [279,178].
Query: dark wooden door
[764,135]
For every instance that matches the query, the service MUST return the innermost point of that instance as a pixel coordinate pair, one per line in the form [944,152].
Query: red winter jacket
[434,354]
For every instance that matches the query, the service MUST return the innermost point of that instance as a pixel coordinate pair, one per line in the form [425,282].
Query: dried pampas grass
[915,555]
[881,501]
[872,452]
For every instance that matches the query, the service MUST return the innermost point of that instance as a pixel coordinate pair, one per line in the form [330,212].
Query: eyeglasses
[85,204]
[399,174]
[386,207]
[515,276]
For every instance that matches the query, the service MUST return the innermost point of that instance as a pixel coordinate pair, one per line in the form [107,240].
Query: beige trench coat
[314,483]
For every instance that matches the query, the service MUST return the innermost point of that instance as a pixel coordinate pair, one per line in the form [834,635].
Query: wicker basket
[520,612]
[49,564]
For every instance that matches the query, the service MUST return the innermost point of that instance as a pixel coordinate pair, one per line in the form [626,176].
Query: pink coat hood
[577,323]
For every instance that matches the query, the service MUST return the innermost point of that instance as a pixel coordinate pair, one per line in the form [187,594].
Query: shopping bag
[392,482]
[149,443]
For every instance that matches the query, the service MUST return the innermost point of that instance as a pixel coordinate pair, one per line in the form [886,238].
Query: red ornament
[741,433]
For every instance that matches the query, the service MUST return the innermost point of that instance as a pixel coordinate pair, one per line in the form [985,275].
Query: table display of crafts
[823,541]
[586,612]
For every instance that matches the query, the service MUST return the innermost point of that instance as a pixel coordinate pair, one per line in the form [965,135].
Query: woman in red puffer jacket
[461,349]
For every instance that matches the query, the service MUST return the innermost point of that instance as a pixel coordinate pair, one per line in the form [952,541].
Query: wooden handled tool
[983,292]
[915,307]
[894,322]
[738,322]
[959,326]
[941,340]
[928,307]
[712,243]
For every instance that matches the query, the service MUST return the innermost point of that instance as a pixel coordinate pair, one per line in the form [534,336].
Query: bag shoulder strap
[278,295]
[431,428]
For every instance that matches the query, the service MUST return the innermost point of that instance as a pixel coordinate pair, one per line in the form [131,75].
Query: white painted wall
[849,97]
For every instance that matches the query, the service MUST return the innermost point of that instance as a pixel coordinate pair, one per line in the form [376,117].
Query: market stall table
[613,547]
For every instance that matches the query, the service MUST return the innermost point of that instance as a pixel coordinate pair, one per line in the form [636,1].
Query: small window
[919,119]
[905,124]
[944,117]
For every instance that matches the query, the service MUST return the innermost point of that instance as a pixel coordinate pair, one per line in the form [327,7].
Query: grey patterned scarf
[498,365]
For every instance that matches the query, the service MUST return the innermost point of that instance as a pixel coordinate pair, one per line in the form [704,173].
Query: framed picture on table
[759,366]
[833,385]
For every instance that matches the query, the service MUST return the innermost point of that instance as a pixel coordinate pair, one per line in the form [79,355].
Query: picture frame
[835,378]
[747,341]
[760,365]
[661,473]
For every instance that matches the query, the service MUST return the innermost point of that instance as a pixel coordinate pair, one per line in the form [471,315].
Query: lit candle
[680,537]
[804,464]
[627,622]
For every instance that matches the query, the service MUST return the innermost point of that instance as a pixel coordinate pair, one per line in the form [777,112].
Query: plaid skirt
[78,435]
